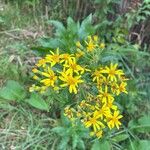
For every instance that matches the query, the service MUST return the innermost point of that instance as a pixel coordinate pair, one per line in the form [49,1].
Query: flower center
[71,81]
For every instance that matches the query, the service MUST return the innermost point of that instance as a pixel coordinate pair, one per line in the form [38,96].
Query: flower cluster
[57,71]
[91,44]
[100,111]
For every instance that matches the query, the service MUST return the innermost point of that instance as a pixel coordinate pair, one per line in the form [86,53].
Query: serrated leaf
[36,101]
[13,91]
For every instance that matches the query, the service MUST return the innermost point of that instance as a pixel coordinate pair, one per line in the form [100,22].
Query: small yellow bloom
[94,122]
[102,111]
[50,78]
[110,104]
[70,81]
[97,75]
[95,37]
[79,54]
[41,62]
[113,72]
[78,44]
[98,134]
[68,112]
[53,58]
[105,96]
[113,120]
[66,58]
[36,77]
[72,67]
[90,46]
[122,88]
[34,70]
[102,45]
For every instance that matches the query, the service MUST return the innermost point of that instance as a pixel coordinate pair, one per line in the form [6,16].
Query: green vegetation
[29,29]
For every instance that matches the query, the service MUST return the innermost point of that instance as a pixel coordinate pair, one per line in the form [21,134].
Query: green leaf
[142,125]
[101,145]
[59,130]
[58,25]
[36,101]
[140,145]
[13,91]
[63,143]
[120,137]
[74,141]
[81,144]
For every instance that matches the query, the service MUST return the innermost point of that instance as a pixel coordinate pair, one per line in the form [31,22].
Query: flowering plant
[82,72]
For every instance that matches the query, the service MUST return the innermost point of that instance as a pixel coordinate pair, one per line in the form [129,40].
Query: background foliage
[31,27]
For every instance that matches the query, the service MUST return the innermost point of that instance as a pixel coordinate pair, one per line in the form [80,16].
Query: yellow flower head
[72,67]
[113,120]
[102,45]
[53,58]
[94,122]
[78,44]
[70,81]
[65,58]
[50,78]
[41,62]
[113,72]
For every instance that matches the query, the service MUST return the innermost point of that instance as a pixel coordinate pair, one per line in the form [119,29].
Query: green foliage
[103,144]
[138,15]
[24,128]
[141,125]
[13,91]
[66,37]
[36,101]
[140,145]
[70,135]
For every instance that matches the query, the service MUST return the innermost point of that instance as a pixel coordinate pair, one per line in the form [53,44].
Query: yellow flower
[70,81]
[51,78]
[103,111]
[34,70]
[114,87]
[35,77]
[90,45]
[122,88]
[41,62]
[82,104]
[53,58]
[42,89]
[110,104]
[95,37]
[98,134]
[78,44]
[79,53]
[105,96]
[65,58]
[113,72]
[102,45]
[97,75]
[114,120]
[94,122]
[68,112]
[34,88]
[72,67]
